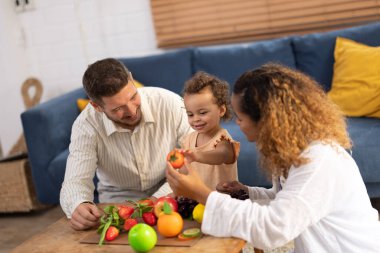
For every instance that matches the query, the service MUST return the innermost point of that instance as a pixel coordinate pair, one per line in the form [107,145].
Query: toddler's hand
[189,155]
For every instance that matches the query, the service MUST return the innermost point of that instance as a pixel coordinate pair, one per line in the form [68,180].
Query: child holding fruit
[318,198]
[210,148]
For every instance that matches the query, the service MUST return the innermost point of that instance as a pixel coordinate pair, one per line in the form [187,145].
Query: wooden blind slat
[249,38]
[193,15]
[205,7]
[263,21]
[184,23]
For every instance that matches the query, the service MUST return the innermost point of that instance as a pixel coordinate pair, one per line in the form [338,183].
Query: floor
[16,228]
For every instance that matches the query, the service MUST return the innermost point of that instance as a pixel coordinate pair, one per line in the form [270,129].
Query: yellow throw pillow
[356,79]
[138,84]
[82,102]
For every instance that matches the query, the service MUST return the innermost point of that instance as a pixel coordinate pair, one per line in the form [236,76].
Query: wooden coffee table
[60,237]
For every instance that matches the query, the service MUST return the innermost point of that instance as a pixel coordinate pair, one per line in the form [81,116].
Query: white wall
[56,40]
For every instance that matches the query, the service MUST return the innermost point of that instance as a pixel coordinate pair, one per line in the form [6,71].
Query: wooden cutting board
[93,237]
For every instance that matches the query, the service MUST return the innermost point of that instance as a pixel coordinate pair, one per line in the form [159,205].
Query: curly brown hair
[293,111]
[218,87]
[105,78]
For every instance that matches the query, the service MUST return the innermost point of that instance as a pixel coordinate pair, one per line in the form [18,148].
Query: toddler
[210,147]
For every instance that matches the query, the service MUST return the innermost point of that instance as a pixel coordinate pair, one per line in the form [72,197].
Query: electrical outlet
[28,5]
[19,5]
[24,5]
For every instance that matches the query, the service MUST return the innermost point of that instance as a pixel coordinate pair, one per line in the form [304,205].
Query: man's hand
[85,216]
[230,187]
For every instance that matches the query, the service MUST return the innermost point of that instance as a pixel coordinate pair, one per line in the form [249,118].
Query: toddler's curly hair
[218,87]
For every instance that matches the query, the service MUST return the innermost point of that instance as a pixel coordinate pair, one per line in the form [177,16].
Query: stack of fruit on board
[138,218]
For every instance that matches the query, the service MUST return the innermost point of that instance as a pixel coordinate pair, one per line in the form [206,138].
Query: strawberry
[125,212]
[146,202]
[149,218]
[112,233]
[129,223]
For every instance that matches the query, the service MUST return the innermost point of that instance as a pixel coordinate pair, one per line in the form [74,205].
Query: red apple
[159,205]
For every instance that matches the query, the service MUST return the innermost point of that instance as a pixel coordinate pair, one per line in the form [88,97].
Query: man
[123,137]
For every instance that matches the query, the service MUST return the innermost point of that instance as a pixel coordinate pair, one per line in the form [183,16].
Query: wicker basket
[17,193]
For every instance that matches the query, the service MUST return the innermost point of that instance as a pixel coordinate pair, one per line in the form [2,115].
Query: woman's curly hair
[218,87]
[293,111]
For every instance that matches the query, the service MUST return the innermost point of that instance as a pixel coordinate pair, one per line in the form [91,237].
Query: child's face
[202,111]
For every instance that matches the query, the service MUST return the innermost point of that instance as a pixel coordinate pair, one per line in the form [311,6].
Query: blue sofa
[47,127]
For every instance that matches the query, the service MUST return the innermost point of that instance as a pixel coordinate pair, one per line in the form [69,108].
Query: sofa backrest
[172,69]
[167,70]
[228,62]
[314,53]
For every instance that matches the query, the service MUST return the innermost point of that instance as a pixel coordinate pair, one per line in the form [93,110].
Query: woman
[318,197]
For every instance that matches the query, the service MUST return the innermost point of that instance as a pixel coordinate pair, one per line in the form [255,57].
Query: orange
[170,225]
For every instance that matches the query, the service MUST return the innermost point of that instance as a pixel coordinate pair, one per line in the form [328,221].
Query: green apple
[142,237]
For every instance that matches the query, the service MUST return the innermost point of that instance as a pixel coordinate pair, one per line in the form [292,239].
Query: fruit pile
[185,206]
[124,217]
[139,218]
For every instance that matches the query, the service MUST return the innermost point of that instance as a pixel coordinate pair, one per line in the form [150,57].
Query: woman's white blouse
[323,206]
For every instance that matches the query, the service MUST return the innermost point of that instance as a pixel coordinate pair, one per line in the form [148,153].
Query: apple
[142,237]
[159,205]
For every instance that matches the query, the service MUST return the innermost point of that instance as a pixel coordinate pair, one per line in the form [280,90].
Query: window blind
[180,23]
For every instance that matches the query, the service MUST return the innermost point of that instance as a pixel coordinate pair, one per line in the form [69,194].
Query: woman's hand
[231,186]
[189,185]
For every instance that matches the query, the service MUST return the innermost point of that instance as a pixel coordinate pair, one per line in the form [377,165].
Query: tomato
[175,158]
[181,237]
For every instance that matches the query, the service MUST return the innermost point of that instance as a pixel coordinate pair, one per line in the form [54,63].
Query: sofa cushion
[57,168]
[356,78]
[167,70]
[314,53]
[365,135]
[82,103]
[228,62]
[56,171]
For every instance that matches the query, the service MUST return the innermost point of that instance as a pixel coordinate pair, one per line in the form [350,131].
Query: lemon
[198,213]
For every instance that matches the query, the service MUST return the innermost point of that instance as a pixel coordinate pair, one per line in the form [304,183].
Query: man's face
[124,108]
